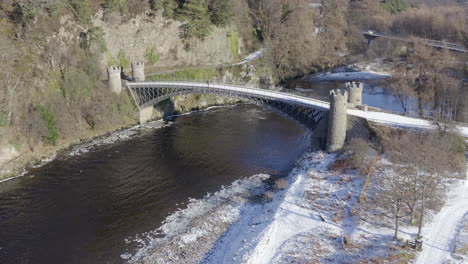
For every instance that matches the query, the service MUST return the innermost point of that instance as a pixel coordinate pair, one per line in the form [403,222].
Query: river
[82,209]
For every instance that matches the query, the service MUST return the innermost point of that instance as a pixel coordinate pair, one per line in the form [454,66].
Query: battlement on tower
[138,71]
[115,83]
[355,93]
[338,96]
[138,64]
[354,85]
[114,69]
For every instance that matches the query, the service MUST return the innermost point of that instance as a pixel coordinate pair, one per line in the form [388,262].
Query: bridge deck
[429,42]
[378,117]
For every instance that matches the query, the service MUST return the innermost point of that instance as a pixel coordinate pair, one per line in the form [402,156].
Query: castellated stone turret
[138,71]
[115,83]
[355,93]
[337,119]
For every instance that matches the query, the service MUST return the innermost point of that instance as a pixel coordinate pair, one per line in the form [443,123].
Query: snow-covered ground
[440,235]
[316,219]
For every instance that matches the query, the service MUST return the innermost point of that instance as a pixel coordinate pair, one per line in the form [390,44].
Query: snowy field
[316,219]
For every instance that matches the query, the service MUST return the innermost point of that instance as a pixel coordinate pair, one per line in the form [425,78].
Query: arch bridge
[306,110]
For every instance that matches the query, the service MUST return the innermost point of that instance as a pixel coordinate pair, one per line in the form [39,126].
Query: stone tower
[115,83]
[138,71]
[337,119]
[355,93]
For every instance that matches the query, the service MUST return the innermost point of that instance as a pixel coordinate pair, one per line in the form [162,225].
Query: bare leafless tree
[425,158]
[395,193]
[12,83]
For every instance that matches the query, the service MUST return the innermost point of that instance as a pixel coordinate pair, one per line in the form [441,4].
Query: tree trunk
[397,218]
[411,207]
[421,217]
[397,226]
[420,105]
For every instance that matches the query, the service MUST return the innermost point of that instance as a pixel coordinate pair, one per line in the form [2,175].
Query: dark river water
[81,209]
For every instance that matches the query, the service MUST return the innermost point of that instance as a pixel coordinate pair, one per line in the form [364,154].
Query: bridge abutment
[337,120]
[114,81]
[138,71]
[354,93]
[146,114]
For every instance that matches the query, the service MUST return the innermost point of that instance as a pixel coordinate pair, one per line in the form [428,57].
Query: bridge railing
[436,43]
[280,93]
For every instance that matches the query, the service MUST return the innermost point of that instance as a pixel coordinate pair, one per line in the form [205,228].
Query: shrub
[122,59]
[234,43]
[52,135]
[3,119]
[269,195]
[358,149]
[281,184]
[95,40]
[151,55]
[394,6]
[111,60]
[82,10]
[118,6]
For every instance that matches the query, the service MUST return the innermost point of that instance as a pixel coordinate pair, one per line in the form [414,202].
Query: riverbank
[15,162]
[93,193]
[316,219]
[260,223]
[19,165]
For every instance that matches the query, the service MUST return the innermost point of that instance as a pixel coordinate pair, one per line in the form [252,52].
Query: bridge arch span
[148,94]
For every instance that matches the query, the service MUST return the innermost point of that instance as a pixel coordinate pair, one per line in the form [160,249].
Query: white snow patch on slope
[291,229]
[290,220]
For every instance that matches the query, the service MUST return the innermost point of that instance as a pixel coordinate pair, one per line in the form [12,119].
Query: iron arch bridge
[305,110]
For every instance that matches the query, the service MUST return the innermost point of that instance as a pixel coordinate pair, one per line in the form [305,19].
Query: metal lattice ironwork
[151,93]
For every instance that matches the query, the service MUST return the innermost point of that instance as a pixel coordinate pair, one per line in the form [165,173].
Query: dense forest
[53,92]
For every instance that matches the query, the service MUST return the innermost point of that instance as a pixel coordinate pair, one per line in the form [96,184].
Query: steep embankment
[62,96]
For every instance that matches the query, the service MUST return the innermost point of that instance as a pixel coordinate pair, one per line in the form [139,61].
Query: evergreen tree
[221,12]
[199,24]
